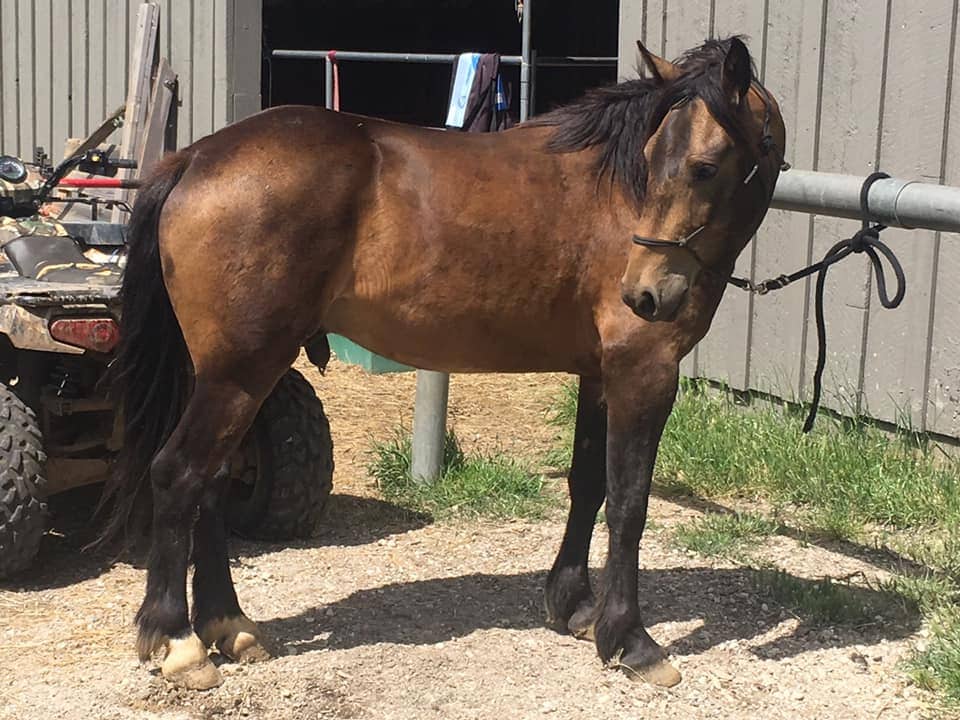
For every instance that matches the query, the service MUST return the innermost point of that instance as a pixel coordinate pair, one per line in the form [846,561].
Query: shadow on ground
[726,603]
[348,520]
[881,557]
[62,561]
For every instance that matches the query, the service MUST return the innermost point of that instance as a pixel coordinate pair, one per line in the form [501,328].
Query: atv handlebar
[90,161]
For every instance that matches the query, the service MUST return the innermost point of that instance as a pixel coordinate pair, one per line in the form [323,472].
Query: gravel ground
[383,615]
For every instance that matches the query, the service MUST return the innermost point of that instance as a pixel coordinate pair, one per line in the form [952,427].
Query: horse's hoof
[187,664]
[583,622]
[238,638]
[244,647]
[660,673]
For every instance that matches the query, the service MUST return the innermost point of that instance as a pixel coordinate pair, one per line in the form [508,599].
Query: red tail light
[97,334]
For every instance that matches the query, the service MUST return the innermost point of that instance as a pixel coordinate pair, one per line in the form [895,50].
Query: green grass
[937,666]
[843,475]
[471,485]
[847,480]
[833,602]
[846,472]
[562,415]
[723,534]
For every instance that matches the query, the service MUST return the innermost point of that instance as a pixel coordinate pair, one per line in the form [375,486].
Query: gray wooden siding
[63,65]
[863,85]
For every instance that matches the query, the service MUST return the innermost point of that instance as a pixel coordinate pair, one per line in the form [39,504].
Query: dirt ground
[383,615]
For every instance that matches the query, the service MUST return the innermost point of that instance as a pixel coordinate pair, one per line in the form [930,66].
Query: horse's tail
[150,374]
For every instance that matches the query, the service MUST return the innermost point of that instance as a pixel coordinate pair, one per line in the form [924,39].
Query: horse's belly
[465,342]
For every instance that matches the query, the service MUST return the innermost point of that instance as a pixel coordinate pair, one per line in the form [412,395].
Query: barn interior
[419,93]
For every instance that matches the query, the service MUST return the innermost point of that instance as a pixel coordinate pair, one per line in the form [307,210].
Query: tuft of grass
[562,414]
[831,602]
[847,472]
[938,550]
[723,534]
[936,667]
[925,591]
[846,480]
[470,485]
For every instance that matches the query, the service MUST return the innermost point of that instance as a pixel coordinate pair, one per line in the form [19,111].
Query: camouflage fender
[27,330]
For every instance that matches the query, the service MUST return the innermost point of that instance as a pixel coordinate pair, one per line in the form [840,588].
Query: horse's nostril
[646,305]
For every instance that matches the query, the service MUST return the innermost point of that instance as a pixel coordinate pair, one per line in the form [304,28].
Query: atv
[60,278]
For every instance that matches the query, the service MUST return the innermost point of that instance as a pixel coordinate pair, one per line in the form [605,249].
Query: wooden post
[142,65]
[155,128]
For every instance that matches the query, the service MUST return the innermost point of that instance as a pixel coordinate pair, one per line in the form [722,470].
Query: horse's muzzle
[660,302]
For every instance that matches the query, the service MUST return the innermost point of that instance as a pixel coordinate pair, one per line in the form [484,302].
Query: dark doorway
[419,93]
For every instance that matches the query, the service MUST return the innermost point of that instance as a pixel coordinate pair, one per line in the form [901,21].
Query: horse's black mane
[621,118]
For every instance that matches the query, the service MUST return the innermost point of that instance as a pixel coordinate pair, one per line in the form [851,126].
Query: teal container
[349,352]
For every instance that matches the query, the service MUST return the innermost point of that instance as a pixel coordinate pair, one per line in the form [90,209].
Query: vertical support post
[525,61]
[429,425]
[532,102]
[328,83]
[143,62]
[433,388]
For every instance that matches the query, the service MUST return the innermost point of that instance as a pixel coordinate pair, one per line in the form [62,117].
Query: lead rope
[866,240]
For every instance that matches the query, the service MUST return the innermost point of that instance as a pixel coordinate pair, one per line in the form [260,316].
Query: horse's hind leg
[217,617]
[216,417]
[568,596]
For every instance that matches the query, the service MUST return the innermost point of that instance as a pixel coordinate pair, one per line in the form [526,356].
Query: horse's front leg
[639,399]
[568,596]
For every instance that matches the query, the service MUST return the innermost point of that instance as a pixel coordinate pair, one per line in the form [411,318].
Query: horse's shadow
[724,604]
[348,520]
[63,561]
[883,557]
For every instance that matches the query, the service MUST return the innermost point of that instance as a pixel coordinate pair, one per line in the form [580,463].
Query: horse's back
[391,234]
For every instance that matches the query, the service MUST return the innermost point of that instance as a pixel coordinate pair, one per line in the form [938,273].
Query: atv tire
[283,473]
[23,517]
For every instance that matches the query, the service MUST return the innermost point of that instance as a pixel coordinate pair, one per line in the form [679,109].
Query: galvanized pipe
[429,425]
[328,83]
[894,202]
[600,61]
[525,55]
[363,56]
[532,94]
[558,61]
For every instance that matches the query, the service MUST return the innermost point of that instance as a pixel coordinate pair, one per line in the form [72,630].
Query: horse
[595,240]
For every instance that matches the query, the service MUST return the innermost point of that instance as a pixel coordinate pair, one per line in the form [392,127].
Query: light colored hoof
[582,624]
[584,633]
[244,647]
[187,664]
[238,638]
[661,673]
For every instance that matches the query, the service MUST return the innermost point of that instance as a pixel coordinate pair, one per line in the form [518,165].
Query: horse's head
[712,154]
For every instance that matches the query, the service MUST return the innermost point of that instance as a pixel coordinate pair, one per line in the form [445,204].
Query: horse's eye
[704,171]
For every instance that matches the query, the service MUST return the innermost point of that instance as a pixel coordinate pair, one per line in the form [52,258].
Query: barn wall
[863,85]
[63,65]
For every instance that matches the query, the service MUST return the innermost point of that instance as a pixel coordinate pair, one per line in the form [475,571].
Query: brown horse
[596,240]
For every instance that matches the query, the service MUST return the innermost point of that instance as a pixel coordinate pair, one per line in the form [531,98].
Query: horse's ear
[737,73]
[663,71]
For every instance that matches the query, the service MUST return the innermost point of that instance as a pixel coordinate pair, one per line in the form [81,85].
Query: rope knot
[866,240]
[863,238]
